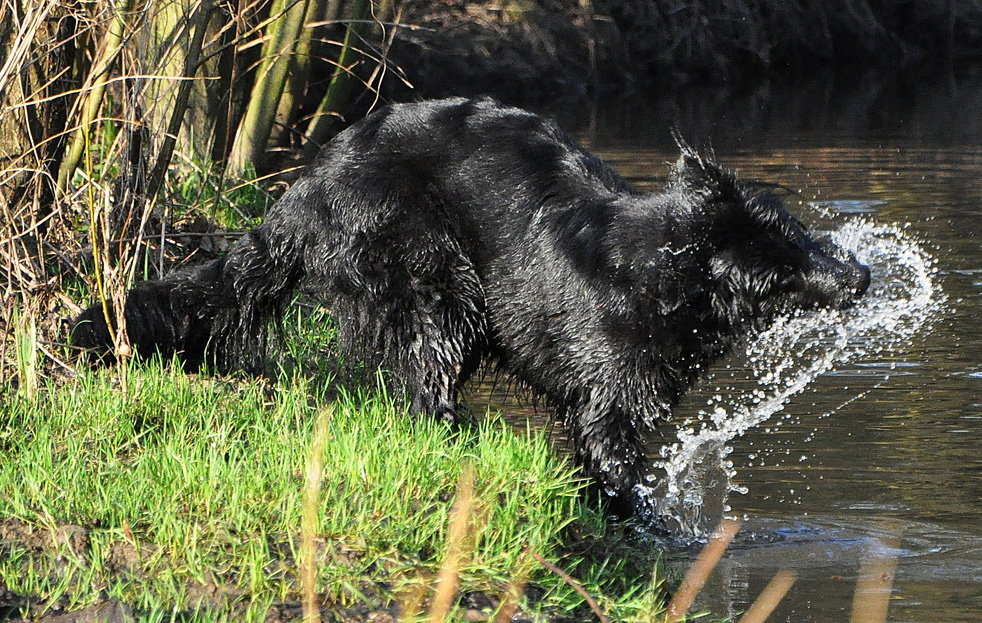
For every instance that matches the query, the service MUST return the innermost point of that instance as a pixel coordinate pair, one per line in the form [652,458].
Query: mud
[126,561]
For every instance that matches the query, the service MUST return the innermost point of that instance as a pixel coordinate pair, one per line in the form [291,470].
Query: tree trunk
[254,130]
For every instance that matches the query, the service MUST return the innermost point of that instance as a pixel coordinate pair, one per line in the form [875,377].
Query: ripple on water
[848,206]
[816,542]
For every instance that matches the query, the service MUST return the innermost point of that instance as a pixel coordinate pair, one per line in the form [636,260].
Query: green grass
[199,188]
[187,491]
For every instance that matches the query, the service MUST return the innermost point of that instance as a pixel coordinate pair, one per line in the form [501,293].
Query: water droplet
[902,301]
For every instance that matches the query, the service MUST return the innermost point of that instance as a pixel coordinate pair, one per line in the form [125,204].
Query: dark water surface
[888,444]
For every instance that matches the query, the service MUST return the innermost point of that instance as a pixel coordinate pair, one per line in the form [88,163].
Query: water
[691,495]
[832,435]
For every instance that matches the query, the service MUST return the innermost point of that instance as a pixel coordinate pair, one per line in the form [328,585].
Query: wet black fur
[447,233]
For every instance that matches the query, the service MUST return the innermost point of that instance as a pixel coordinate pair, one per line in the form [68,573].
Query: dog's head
[762,260]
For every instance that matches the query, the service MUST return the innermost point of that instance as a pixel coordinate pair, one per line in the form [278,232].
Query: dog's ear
[690,168]
[699,173]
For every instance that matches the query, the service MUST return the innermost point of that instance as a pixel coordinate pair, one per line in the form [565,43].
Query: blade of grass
[770,597]
[576,586]
[871,601]
[26,345]
[695,579]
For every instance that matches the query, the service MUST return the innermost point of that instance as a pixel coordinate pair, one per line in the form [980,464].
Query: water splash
[903,301]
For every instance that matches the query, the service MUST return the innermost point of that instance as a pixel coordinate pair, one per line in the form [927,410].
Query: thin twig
[576,586]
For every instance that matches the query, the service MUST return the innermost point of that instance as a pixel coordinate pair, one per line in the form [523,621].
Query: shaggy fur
[445,233]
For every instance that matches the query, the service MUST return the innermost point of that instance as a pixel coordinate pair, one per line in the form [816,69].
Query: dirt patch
[69,545]
[110,611]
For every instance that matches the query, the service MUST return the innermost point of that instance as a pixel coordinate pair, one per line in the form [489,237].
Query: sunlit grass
[184,494]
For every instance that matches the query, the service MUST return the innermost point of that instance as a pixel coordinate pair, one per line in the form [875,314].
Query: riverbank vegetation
[137,136]
[186,495]
[548,49]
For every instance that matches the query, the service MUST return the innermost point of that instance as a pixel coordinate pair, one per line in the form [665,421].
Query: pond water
[884,440]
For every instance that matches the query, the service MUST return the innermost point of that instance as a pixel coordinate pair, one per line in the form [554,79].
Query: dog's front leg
[610,448]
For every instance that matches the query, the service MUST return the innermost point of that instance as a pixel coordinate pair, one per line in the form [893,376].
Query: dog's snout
[863,281]
[837,278]
[856,274]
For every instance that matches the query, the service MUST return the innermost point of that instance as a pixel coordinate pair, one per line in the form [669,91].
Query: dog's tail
[219,312]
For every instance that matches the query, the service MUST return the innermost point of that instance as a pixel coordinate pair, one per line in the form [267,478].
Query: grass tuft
[218,499]
[199,495]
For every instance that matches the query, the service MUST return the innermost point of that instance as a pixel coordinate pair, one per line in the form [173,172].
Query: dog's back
[485,170]
[442,234]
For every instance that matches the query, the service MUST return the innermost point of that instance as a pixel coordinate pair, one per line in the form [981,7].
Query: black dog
[445,233]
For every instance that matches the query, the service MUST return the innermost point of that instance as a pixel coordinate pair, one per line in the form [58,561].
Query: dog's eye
[786,283]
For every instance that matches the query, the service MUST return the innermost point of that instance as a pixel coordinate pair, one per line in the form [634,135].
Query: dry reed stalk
[695,579]
[27,32]
[871,601]
[460,522]
[410,607]
[509,602]
[96,83]
[771,596]
[311,503]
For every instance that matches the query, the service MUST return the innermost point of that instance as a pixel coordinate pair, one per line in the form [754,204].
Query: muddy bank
[525,50]
[122,561]
[125,561]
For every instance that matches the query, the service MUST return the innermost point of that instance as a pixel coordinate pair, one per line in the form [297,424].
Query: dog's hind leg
[416,310]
